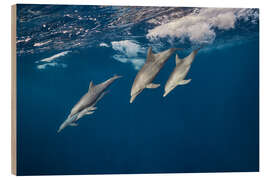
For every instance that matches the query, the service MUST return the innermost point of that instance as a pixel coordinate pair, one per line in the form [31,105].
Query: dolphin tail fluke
[183,82]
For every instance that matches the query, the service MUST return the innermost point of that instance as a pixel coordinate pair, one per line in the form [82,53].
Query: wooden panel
[13,93]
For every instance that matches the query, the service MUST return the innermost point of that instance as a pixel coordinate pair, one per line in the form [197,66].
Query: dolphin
[152,66]
[86,105]
[70,121]
[180,71]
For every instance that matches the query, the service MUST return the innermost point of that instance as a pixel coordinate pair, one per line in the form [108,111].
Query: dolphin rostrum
[180,71]
[149,71]
[86,104]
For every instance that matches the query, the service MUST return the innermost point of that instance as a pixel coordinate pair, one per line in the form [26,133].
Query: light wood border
[13,92]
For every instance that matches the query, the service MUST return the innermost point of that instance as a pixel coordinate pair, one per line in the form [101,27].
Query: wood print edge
[13,92]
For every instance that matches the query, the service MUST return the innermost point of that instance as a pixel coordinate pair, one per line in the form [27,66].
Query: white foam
[49,59]
[24,40]
[103,45]
[42,43]
[199,26]
[136,62]
[52,64]
[129,47]
[129,52]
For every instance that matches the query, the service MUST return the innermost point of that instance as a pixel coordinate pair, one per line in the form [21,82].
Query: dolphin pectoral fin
[89,112]
[183,82]
[152,86]
[74,124]
[92,108]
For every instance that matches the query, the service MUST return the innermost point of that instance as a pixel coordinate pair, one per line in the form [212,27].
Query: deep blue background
[208,125]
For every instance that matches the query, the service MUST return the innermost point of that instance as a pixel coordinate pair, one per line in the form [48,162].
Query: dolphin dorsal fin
[177,59]
[91,85]
[149,51]
[150,55]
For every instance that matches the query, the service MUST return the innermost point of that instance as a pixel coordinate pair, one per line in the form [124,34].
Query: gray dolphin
[149,71]
[86,104]
[180,71]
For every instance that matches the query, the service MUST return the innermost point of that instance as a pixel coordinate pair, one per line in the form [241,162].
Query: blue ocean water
[208,125]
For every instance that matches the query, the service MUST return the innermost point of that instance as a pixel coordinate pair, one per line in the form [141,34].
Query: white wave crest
[129,52]
[52,64]
[103,45]
[129,47]
[49,59]
[199,26]
[42,43]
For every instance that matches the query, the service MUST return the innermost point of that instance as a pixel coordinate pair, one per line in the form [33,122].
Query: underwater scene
[133,89]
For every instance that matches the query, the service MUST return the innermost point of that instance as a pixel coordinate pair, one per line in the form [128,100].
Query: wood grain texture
[13,92]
